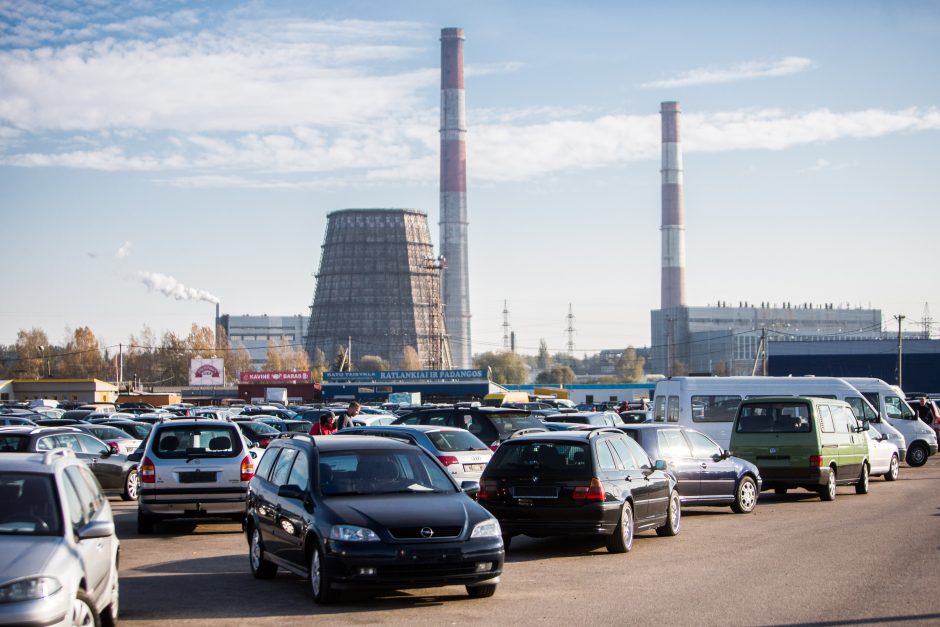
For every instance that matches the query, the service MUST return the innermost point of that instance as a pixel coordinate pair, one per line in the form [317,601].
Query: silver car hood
[23,556]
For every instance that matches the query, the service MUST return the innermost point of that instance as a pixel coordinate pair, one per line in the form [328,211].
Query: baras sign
[207,371]
[275,377]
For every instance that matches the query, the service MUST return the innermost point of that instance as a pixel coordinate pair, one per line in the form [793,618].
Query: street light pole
[900,319]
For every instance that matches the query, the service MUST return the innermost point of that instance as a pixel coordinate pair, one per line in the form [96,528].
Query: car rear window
[449,441]
[774,418]
[183,442]
[14,443]
[507,424]
[565,457]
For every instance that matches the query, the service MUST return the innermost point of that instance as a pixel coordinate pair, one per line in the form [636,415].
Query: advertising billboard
[207,371]
[275,377]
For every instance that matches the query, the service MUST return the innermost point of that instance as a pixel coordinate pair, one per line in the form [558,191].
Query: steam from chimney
[169,286]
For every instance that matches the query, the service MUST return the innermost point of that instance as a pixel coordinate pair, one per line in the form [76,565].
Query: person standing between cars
[924,412]
[325,426]
[351,412]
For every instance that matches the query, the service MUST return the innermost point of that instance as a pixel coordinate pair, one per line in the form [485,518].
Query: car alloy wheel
[131,484]
[829,492]
[893,469]
[83,612]
[621,541]
[673,516]
[862,486]
[260,567]
[320,582]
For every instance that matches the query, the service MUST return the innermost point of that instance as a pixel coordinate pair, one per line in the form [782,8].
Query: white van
[709,404]
[890,403]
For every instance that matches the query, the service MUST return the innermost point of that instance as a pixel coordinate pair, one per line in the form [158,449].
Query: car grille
[426,571]
[197,477]
[411,533]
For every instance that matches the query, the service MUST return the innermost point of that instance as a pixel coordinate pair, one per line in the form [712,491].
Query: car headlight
[29,589]
[352,533]
[486,529]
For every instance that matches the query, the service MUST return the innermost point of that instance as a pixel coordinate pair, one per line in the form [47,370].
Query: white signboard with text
[207,371]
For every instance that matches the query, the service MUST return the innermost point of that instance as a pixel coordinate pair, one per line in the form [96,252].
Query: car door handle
[703,465]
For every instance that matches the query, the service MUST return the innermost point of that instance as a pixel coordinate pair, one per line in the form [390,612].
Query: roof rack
[49,456]
[594,432]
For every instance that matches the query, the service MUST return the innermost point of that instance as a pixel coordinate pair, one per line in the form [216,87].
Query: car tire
[863,481]
[131,484]
[745,497]
[622,539]
[321,584]
[780,491]
[673,517]
[507,540]
[109,617]
[917,455]
[481,592]
[83,612]
[145,523]
[893,470]
[828,493]
[260,567]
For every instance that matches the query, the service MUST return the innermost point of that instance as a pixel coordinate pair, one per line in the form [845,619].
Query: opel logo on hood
[427,532]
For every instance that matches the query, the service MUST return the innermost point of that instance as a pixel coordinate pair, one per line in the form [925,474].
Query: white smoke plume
[173,288]
[124,250]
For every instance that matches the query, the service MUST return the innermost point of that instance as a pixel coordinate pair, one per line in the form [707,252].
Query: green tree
[504,367]
[630,367]
[557,374]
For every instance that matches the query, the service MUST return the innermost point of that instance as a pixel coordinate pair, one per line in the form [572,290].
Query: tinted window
[267,461]
[456,441]
[300,473]
[507,424]
[30,506]
[182,442]
[526,457]
[108,433]
[659,409]
[672,444]
[93,445]
[702,446]
[605,457]
[715,408]
[626,458]
[282,467]
[414,419]
[89,493]
[774,418]
[672,409]
[14,443]
[381,472]
[825,419]
[640,455]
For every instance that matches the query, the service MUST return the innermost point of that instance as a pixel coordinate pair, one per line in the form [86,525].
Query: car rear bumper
[192,502]
[808,477]
[415,565]
[587,519]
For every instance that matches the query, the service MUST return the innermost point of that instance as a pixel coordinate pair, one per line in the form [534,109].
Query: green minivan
[802,442]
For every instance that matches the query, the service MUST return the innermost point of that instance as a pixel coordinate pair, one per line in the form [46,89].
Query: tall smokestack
[456,284]
[673,223]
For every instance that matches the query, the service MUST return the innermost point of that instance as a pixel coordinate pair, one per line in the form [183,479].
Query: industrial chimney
[453,221]
[673,223]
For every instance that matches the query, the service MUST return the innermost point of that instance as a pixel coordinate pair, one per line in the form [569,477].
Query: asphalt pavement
[859,560]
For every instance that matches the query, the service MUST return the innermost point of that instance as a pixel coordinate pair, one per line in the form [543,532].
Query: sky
[157,157]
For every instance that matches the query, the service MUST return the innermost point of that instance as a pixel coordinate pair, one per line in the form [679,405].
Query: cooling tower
[673,224]
[454,219]
[378,289]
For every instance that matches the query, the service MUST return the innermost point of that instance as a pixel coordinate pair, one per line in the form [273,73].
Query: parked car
[192,468]
[596,418]
[16,421]
[258,433]
[137,430]
[586,482]
[491,424]
[58,422]
[373,420]
[459,451]
[76,414]
[883,455]
[297,426]
[115,472]
[803,442]
[118,440]
[153,418]
[59,563]
[705,474]
[367,512]
[96,417]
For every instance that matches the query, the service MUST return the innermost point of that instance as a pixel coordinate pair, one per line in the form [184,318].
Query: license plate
[474,467]
[197,477]
[535,492]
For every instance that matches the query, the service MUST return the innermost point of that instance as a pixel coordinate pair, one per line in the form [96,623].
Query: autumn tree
[30,346]
[371,363]
[82,358]
[318,366]
[630,366]
[504,367]
[721,369]
[557,374]
[237,360]
[410,359]
[201,342]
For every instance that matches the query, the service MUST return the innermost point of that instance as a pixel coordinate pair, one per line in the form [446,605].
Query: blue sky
[155,156]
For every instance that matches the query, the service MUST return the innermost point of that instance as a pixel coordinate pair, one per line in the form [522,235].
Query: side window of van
[843,419]
[672,409]
[860,408]
[825,419]
[718,408]
[897,408]
[659,409]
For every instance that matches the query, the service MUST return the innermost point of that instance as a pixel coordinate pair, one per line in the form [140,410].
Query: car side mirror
[105,452]
[471,488]
[96,529]
[134,457]
[291,491]
[660,464]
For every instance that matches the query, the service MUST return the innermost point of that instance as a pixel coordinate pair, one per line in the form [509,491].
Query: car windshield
[109,433]
[14,443]
[187,442]
[774,418]
[138,431]
[458,440]
[30,506]
[381,472]
[507,423]
[570,458]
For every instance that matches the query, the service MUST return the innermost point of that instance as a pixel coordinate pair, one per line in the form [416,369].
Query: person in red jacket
[325,426]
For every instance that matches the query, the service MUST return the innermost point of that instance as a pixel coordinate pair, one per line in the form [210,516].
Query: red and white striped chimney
[453,221]
[673,221]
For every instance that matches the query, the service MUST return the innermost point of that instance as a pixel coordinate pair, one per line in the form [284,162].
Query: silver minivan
[193,469]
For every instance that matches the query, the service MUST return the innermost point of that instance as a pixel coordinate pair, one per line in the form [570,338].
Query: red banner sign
[274,377]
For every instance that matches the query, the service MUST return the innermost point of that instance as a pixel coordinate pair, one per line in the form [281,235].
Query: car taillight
[494,445]
[147,472]
[591,492]
[815,460]
[248,469]
[487,489]
[115,448]
[263,442]
[448,460]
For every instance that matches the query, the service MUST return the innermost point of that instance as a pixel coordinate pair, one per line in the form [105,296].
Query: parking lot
[862,559]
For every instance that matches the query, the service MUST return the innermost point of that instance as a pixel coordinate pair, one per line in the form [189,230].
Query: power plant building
[256,332]
[378,290]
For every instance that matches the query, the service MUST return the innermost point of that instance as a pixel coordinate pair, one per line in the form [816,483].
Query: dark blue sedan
[706,474]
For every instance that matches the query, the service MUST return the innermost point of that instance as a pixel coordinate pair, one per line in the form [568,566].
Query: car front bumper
[415,565]
[52,610]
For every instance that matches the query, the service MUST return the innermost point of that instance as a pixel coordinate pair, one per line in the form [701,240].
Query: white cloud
[824,164]
[172,288]
[124,250]
[740,72]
